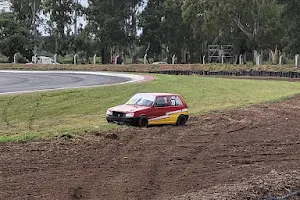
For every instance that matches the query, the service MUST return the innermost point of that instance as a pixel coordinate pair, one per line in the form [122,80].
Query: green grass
[49,114]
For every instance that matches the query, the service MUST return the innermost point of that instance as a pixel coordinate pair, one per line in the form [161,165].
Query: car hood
[128,108]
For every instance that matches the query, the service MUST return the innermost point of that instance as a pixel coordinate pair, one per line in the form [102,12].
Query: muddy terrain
[249,153]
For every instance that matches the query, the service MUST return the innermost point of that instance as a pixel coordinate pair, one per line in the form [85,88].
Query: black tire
[181,121]
[143,121]
[109,121]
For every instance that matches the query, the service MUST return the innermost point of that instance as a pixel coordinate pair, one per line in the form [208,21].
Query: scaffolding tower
[220,53]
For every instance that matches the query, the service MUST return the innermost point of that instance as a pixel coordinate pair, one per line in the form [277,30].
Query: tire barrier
[231,73]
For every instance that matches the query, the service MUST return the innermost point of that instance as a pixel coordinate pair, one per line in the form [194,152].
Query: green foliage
[256,23]
[113,24]
[292,25]
[151,22]
[27,12]
[14,37]
[168,27]
[61,18]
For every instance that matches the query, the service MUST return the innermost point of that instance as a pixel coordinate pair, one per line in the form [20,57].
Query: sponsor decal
[167,115]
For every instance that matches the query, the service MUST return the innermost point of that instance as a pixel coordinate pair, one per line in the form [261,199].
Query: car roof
[160,94]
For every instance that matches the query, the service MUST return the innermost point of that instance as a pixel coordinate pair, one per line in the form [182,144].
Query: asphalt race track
[32,81]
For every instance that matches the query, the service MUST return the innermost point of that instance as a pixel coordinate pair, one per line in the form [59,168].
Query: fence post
[241,59]
[203,60]
[258,60]
[34,59]
[55,58]
[145,59]
[95,57]
[75,59]
[15,58]
[116,60]
[173,59]
[280,60]
[297,60]
[222,59]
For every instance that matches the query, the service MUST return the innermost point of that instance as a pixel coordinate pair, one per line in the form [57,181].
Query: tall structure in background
[5,6]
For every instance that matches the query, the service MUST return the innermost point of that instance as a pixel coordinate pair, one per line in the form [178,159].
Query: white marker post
[145,59]
[75,59]
[258,60]
[241,59]
[203,60]
[95,59]
[173,60]
[116,60]
[297,60]
[280,60]
[55,58]
[222,59]
[34,59]
[15,58]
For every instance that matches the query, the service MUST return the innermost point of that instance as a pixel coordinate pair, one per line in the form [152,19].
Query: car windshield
[141,100]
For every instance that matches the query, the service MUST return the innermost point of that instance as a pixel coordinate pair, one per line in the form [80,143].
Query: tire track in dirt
[35,110]
[5,109]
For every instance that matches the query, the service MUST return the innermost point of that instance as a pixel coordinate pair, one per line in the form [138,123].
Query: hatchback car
[145,109]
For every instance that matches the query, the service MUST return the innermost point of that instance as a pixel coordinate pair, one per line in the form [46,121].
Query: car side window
[175,101]
[161,102]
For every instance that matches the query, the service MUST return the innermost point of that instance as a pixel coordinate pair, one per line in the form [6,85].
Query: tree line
[158,28]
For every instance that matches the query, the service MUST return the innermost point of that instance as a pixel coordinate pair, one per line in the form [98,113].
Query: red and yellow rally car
[145,109]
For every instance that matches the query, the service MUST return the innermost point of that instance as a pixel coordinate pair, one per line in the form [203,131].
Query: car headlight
[128,115]
[108,112]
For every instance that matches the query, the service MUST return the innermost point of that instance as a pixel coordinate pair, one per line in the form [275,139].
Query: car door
[159,112]
[176,108]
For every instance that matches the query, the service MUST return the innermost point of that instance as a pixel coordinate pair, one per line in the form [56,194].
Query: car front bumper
[123,120]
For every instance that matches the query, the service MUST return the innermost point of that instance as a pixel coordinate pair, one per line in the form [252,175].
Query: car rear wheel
[181,121]
[143,122]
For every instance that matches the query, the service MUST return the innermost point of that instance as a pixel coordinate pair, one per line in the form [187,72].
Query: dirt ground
[249,153]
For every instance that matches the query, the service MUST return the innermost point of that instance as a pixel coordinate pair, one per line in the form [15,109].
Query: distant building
[5,6]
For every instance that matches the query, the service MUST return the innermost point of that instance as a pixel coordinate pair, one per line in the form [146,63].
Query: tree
[226,20]
[60,15]
[107,24]
[166,32]
[85,43]
[292,25]
[177,35]
[14,37]
[151,22]
[133,12]
[113,24]
[28,14]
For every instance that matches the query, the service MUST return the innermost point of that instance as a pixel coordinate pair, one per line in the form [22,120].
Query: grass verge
[48,114]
